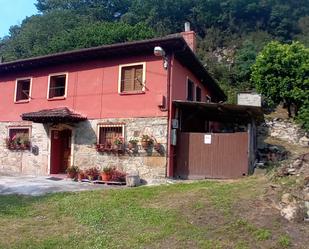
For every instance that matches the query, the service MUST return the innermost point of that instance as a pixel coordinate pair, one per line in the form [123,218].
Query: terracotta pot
[81,176]
[105,176]
[131,146]
[144,144]
[100,147]
[71,175]
[158,147]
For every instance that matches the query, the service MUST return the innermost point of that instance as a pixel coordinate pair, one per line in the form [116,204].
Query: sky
[12,12]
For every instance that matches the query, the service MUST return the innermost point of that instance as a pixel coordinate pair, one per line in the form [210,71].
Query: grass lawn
[206,214]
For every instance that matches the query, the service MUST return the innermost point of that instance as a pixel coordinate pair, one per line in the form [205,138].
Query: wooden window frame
[65,89]
[109,125]
[143,79]
[15,91]
[193,88]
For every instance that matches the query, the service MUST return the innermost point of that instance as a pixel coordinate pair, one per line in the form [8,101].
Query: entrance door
[60,154]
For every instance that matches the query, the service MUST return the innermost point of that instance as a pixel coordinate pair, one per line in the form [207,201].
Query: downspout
[169,164]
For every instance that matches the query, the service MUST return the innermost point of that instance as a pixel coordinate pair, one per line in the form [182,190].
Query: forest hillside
[230,32]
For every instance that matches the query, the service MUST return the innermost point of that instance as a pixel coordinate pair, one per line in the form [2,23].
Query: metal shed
[214,140]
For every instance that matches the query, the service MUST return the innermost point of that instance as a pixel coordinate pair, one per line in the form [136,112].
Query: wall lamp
[159,51]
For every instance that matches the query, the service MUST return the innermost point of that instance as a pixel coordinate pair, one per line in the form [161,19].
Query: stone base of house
[149,164]
[23,161]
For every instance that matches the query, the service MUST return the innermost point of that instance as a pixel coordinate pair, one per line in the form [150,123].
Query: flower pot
[71,175]
[159,148]
[81,176]
[131,146]
[145,145]
[105,176]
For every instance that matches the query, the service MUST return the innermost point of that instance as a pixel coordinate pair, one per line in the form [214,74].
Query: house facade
[71,108]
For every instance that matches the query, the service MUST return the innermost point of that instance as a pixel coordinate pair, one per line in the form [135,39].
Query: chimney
[189,36]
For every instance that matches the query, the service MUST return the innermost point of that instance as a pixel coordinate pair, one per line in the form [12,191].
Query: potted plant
[100,147]
[92,173]
[106,173]
[158,147]
[9,143]
[19,141]
[118,176]
[146,141]
[81,175]
[108,147]
[72,172]
[132,143]
[118,142]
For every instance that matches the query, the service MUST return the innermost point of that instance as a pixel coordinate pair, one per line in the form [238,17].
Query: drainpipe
[169,170]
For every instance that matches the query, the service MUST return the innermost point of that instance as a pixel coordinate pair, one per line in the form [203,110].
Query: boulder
[304,141]
[294,211]
[133,179]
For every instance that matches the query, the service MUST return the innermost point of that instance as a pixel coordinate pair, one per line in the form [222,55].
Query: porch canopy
[56,115]
[193,116]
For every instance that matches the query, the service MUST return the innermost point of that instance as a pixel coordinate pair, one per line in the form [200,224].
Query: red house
[83,107]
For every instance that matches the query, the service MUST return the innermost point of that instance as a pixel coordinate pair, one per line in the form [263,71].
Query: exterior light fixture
[159,52]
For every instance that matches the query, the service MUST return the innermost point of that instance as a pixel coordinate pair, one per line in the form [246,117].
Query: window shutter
[132,78]
[138,80]
[127,79]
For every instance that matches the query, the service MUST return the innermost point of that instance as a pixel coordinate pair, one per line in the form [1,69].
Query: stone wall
[23,161]
[284,130]
[150,165]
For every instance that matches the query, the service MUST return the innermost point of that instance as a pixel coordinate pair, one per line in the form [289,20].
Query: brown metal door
[225,157]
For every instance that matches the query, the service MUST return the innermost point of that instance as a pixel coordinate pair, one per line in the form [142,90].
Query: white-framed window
[107,133]
[57,86]
[132,78]
[18,137]
[23,90]
[190,90]
[198,94]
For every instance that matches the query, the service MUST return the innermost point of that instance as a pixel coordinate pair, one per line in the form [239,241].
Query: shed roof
[56,115]
[171,44]
[214,110]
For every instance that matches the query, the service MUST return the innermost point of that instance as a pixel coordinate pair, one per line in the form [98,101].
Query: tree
[281,73]
[97,34]
[98,10]
[246,56]
[33,37]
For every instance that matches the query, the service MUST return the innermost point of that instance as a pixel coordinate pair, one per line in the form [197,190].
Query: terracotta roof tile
[56,115]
